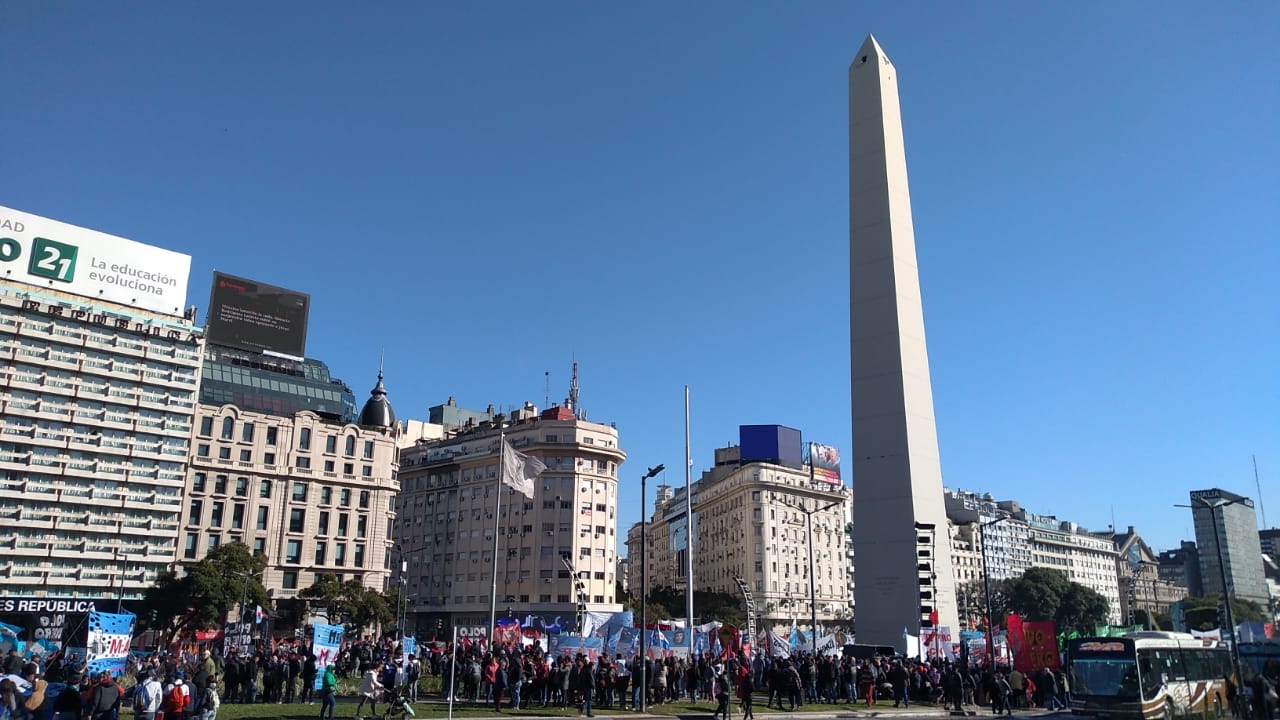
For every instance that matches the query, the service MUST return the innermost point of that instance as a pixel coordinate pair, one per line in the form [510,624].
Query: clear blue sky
[489,190]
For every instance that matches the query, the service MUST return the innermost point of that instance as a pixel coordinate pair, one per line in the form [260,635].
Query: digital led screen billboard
[770,443]
[256,316]
[824,462]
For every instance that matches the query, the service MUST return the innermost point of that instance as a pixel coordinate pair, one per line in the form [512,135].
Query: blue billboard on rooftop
[776,444]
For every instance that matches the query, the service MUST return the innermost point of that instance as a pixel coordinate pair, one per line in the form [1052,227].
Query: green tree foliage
[206,592]
[1202,612]
[1047,594]
[349,603]
[669,603]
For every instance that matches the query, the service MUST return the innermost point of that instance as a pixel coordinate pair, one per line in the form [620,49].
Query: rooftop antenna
[1262,508]
[572,401]
[546,396]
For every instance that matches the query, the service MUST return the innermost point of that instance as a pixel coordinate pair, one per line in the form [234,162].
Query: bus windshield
[1110,676]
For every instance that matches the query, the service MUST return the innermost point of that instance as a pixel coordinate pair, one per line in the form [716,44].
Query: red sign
[1039,646]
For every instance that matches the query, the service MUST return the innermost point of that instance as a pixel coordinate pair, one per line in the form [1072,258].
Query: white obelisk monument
[897,477]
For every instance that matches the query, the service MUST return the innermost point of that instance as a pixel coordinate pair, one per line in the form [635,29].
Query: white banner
[51,254]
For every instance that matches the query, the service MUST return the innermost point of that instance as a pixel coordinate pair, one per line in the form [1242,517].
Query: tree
[1201,613]
[1047,594]
[349,603]
[208,590]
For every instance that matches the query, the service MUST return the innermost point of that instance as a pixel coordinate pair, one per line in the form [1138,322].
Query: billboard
[824,462]
[770,443]
[256,316]
[51,254]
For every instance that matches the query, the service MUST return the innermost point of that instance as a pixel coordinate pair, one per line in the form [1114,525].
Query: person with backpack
[146,699]
[209,702]
[176,699]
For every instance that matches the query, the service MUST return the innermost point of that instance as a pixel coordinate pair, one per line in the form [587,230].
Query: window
[348,469]
[214,541]
[262,517]
[320,548]
[351,446]
[359,556]
[366,471]
[264,489]
[202,450]
[269,458]
[368,449]
[293,552]
[290,579]
[192,540]
[362,525]
[246,432]
[331,444]
[246,456]
[197,482]
[340,554]
[297,520]
[328,466]
[228,427]
[220,485]
[299,492]
[342,524]
[345,497]
[326,495]
[195,512]
[215,515]
[206,426]
[272,432]
[242,487]
[304,462]
[364,499]
[224,453]
[324,523]
[259,546]
[304,439]
[237,517]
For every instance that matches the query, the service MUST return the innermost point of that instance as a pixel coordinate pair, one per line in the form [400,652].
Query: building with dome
[282,462]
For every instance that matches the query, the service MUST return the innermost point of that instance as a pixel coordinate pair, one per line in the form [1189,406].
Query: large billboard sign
[51,254]
[256,316]
[824,461]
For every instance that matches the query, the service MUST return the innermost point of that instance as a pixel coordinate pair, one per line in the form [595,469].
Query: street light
[244,589]
[986,586]
[813,580]
[1222,571]
[644,577]
[401,606]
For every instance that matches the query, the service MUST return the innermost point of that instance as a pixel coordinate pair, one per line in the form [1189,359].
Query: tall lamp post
[244,588]
[1213,507]
[813,580]
[644,576]
[986,586]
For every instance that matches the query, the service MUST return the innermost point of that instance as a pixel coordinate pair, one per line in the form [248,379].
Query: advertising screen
[256,316]
[51,254]
[825,461]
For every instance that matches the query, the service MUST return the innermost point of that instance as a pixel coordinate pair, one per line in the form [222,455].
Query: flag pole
[688,529]
[497,506]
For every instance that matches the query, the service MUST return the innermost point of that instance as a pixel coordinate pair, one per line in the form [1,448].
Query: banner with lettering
[110,636]
[1039,648]
[237,638]
[326,640]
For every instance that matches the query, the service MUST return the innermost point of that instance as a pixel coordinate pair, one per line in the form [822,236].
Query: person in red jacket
[177,699]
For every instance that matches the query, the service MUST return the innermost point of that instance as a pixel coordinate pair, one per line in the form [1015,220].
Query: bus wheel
[1168,710]
[1217,706]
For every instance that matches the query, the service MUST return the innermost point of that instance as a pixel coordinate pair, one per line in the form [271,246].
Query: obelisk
[897,476]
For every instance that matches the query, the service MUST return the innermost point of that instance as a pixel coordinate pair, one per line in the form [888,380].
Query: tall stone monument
[902,563]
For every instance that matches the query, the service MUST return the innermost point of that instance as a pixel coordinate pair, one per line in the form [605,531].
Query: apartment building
[99,369]
[556,553]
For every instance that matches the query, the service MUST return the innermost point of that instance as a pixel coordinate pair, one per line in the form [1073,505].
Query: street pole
[813,580]
[644,579]
[986,587]
[124,570]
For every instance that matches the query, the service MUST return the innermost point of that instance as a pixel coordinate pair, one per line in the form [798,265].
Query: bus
[1148,675]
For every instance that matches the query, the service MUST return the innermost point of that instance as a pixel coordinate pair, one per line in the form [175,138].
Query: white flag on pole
[520,470]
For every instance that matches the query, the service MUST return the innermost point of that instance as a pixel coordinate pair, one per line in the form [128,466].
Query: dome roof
[377,410]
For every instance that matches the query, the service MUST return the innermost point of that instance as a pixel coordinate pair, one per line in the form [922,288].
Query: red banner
[1039,646]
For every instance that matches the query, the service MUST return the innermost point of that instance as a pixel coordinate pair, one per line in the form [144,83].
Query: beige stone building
[446,524]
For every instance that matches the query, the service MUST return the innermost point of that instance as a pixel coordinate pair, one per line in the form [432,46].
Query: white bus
[1148,676]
